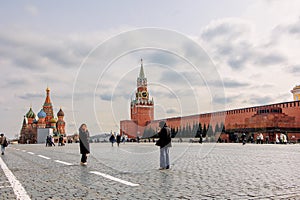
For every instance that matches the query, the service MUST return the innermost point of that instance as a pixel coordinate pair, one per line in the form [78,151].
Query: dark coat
[164,137]
[112,138]
[118,138]
[84,141]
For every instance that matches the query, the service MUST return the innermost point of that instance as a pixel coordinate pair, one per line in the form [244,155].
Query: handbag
[5,144]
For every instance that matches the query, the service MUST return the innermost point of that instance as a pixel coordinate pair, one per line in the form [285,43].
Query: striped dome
[30,114]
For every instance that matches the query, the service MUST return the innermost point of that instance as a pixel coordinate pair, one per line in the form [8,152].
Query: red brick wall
[231,118]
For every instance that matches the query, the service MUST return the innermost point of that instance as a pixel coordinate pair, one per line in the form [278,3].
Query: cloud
[39,52]
[32,10]
[228,41]
[169,76]
[260,100]
[294,69]
[29,96]
[14,81]
[163,58]
[291,28]
[235,43]
[222,100]
[106,97]
[171,111]
[229,30]
[228,83]
[270,59]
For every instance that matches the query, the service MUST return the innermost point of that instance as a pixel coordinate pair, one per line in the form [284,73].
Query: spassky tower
[142,108]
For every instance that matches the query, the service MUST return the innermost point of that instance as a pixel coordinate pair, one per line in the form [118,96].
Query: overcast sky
[89,56]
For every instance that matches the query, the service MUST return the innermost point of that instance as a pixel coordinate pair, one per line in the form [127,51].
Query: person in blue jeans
[164,143]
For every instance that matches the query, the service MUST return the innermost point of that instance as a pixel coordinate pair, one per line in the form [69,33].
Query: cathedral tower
[60,124]
[142,108]
[48,109]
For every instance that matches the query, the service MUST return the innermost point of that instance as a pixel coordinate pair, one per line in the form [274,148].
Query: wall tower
[296,92]
[142,108]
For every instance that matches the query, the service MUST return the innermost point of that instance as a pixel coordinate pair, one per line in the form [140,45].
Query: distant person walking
[164,142]
[244,138]
[49,141]
[277,139]
[118,139]
[3,142]
[112,139]
[84,143]
[261,138]
[61,141]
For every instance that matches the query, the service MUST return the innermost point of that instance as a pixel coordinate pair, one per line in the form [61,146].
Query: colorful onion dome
[60,113]
[41,114]
[30,114]
[53,120]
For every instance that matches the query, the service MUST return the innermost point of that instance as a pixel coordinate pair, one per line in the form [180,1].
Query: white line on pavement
[5,186]
[30,153]
[1,182]
[44,157]
[24,150]
[18,149]
[115,179]
[19,191]
[62,162]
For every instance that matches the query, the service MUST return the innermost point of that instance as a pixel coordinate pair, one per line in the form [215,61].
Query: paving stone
[207,171]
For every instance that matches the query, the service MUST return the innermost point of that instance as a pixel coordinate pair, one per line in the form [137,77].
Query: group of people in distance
[50,143]
[164,142]
[117,139]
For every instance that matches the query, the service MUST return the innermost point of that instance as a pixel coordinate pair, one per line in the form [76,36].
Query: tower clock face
[144,94]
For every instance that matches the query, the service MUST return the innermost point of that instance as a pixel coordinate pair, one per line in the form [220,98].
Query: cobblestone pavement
[207,171]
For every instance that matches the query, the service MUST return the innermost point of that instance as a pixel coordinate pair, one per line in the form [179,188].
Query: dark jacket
[112,138]
[118,138]
[84,141]
[3,140]
[164,137]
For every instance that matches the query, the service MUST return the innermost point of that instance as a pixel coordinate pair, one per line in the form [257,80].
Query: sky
[198,56]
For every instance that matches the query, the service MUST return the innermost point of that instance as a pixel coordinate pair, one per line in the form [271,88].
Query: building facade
[269,120]
[45,120]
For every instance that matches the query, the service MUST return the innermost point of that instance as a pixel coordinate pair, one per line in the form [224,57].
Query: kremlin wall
[270,120]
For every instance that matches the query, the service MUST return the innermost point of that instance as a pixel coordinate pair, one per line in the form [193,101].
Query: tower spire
[47,100]
[142,74]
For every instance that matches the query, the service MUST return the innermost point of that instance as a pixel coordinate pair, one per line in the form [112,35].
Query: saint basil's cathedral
[45,120]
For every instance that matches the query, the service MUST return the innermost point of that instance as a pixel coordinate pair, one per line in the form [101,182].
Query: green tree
[217,129]
[222,127]
[199,131]
[209,130]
